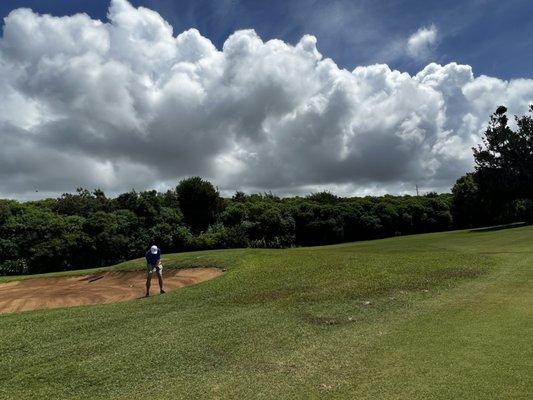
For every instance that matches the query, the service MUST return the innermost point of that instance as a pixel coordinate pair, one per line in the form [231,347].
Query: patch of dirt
[108,287]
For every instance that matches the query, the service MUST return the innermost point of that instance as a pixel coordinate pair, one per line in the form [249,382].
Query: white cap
[154,249]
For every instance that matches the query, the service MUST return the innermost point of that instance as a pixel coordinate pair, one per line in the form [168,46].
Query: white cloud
[129,104]
[422,43]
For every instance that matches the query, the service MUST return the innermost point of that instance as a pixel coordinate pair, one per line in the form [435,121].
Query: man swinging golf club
[153,264]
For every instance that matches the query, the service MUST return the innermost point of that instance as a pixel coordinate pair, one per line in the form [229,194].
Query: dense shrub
[14,267]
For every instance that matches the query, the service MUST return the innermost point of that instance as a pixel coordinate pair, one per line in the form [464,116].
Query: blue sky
[495,37]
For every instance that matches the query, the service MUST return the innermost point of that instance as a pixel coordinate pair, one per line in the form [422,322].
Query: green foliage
[317,224]
[269,223]
[467,204]
[234,214]
[324,198]
[504,162]
[524,209]
[14,267]
[87,229]
[502,183]
[199,202]
[81,203]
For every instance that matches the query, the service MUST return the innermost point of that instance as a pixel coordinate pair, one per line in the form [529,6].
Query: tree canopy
[500,189]
[504,161]
[199,201]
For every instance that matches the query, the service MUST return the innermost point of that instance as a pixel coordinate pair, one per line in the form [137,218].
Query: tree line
[88,229]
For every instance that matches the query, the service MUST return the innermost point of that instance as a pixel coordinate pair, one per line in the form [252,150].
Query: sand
[103,288]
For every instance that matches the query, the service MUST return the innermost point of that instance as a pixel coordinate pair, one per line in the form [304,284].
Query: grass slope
[438,316]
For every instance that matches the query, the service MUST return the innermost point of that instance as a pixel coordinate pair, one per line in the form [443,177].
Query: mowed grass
[436,316]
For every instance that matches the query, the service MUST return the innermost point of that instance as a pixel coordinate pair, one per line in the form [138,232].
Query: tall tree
[467,207]
[504,161]
[199,202]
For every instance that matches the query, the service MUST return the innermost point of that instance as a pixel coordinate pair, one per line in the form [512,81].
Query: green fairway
[435,316]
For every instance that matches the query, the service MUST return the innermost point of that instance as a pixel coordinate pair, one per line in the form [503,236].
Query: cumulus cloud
[129,104]
[422,43]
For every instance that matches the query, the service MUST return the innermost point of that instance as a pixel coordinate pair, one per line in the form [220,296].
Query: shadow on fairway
[498,227]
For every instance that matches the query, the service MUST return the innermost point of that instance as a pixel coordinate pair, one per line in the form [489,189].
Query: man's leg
[148,281]
[160,279]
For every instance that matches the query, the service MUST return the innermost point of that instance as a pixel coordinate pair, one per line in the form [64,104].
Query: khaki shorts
[150,268]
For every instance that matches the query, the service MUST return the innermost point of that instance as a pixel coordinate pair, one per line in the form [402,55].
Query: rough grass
[438,316]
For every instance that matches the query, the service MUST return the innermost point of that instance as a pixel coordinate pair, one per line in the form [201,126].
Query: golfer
[153,264]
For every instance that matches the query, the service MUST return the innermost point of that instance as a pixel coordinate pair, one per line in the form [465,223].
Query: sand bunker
[108,287]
